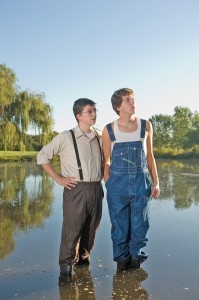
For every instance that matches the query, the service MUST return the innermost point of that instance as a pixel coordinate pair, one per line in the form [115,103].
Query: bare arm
[68,182]
[106,147]
[151,162]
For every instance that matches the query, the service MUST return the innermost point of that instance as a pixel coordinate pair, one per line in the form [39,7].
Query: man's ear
[78,117]
[118,110]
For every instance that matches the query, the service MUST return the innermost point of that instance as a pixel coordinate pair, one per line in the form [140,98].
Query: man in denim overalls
[131,179]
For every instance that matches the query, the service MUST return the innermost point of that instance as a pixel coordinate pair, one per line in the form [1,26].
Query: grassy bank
[17,156]
[169,153]
[31,155]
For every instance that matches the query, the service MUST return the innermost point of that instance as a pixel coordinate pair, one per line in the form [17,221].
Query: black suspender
[96,134]
[77,153]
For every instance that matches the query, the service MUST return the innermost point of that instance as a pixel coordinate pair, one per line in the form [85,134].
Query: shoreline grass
[17,155]
[20,156]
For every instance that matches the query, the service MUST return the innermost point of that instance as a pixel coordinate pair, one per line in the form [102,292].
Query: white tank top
[122,137]
[127,136]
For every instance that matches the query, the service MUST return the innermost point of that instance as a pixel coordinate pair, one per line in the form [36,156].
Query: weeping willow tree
[7,88]
[41,118]
[21,111]
[19,116]
[7,95]
[8,134]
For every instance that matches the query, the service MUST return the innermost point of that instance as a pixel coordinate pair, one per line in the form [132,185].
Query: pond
[30,231]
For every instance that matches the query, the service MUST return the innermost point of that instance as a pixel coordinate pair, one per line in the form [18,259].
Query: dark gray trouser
[82,210]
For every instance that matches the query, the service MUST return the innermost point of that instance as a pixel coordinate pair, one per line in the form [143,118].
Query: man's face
[128,104]
[88,115]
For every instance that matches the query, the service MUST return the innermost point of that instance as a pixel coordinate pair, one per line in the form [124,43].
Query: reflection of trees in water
[7,230]
[127,285]
[25,201]
[179,181]
[26,194]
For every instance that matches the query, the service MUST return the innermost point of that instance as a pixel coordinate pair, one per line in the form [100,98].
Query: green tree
[181,126]
[163,130]
[41,118]
[8,134]
[20,111]
[193,134]
[7,88]
[7,95]
[178,133]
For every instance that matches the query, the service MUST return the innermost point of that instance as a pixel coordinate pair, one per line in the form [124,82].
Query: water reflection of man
[80,286]
[81,161]
[127,285]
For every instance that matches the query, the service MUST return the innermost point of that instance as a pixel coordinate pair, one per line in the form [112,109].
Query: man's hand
[155,191]
[67,182]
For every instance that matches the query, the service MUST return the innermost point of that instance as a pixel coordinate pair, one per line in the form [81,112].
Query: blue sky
[72,49]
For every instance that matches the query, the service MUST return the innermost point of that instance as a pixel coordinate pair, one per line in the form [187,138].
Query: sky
[73,49]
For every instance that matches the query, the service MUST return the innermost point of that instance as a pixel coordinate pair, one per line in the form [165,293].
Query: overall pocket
[127,157]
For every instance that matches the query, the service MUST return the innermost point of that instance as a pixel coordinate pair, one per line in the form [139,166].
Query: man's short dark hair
[79,105]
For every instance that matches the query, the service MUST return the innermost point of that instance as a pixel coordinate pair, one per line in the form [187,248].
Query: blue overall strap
[111,132]
[143,128]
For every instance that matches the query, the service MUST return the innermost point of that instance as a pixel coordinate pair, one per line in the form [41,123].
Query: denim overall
[128,197]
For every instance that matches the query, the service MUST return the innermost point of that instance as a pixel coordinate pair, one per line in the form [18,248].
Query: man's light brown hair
[116,98]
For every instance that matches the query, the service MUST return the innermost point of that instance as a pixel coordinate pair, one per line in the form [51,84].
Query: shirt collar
[78,132]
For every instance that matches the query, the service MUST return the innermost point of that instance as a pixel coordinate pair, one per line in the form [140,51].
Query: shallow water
[30,229]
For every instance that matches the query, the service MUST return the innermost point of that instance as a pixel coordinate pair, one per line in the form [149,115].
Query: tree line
[23,110]
[176,135]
